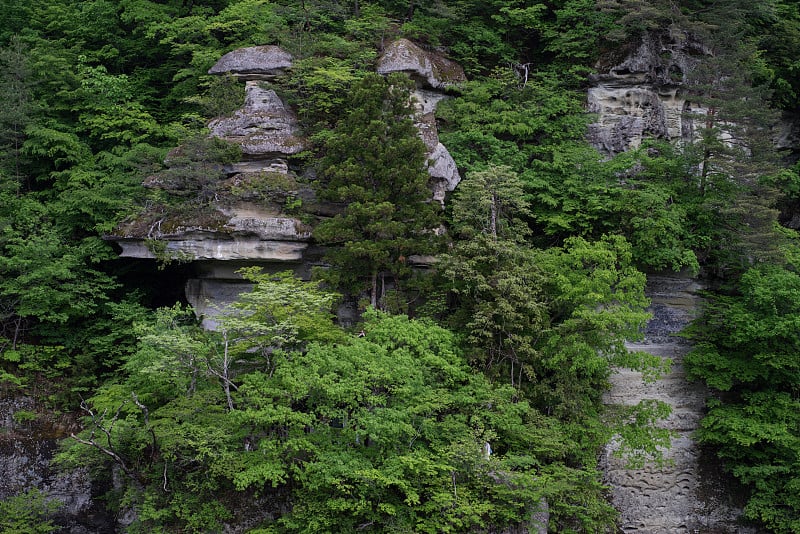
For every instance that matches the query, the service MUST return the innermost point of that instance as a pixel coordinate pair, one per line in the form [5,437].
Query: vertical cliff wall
[689,494]
[637,92]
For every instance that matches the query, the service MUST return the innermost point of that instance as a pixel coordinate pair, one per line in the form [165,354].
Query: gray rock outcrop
[27,448]
[431,69]
[246,220]
[264,127]
[640,96]
[432,73]
[688,494]
[255,62]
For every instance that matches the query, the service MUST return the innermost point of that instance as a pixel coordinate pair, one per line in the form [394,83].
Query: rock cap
[253,62]
[434,69]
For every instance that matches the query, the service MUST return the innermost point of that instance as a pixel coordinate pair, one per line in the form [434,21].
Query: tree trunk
[374,296]
[493,217]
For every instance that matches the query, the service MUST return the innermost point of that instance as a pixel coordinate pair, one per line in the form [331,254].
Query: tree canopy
[478,406]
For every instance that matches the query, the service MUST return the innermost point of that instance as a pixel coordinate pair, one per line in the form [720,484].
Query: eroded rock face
[443,171]
[264,127]
[640,95]
[255,62]
[249,233]
[688,494]
[248,214]
[433,70]
[26,454]
[432,73]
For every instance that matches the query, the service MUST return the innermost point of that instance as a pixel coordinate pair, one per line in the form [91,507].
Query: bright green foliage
[746,349]
[390,431]
[539,312]
[550,323]
[400,425]
[28,513]
[513,118]
[320,87]
[596,303]
[284,321]
[45,273]
[375,163]
[495,277]
[536,128]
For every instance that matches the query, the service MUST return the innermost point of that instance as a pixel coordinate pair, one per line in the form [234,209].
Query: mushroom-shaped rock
[432,68]
[253,62]
[265,125]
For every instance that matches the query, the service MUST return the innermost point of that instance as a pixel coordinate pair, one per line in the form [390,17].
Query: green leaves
[375,163]
[389,430]
[28,513]
[747,347]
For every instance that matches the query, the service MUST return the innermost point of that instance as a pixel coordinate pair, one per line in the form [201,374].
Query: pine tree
[16,111]
[375,163]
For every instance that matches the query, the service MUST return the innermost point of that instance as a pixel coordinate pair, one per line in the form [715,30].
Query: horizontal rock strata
[680,497]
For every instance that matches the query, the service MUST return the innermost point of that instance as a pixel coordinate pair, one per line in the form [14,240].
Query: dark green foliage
[746,349]
[28,513]
[374,162]
[16,113]
[495,277]
[778,45]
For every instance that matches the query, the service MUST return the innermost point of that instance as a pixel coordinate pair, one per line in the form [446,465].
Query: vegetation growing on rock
[482,412]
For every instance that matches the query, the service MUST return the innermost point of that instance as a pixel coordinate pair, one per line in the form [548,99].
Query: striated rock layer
[688,495]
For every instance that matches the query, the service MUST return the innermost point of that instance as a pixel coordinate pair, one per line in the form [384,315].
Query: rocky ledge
[255,62]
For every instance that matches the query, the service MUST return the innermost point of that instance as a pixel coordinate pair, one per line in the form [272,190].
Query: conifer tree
[375,164]
[15,113]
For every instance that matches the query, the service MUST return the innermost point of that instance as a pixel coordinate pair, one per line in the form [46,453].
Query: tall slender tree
[375,163]
[16,111]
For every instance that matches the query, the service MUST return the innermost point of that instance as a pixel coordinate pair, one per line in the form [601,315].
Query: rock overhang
[254,62]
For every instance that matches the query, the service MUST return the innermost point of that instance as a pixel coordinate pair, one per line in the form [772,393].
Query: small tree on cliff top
[375,162]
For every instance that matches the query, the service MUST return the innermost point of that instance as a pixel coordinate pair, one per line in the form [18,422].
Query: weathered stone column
[688,494]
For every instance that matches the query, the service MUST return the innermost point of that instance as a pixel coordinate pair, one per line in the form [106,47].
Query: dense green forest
[288,421]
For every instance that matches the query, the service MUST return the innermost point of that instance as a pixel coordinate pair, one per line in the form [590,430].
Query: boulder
[255,62]
[443,172]
[428,68]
